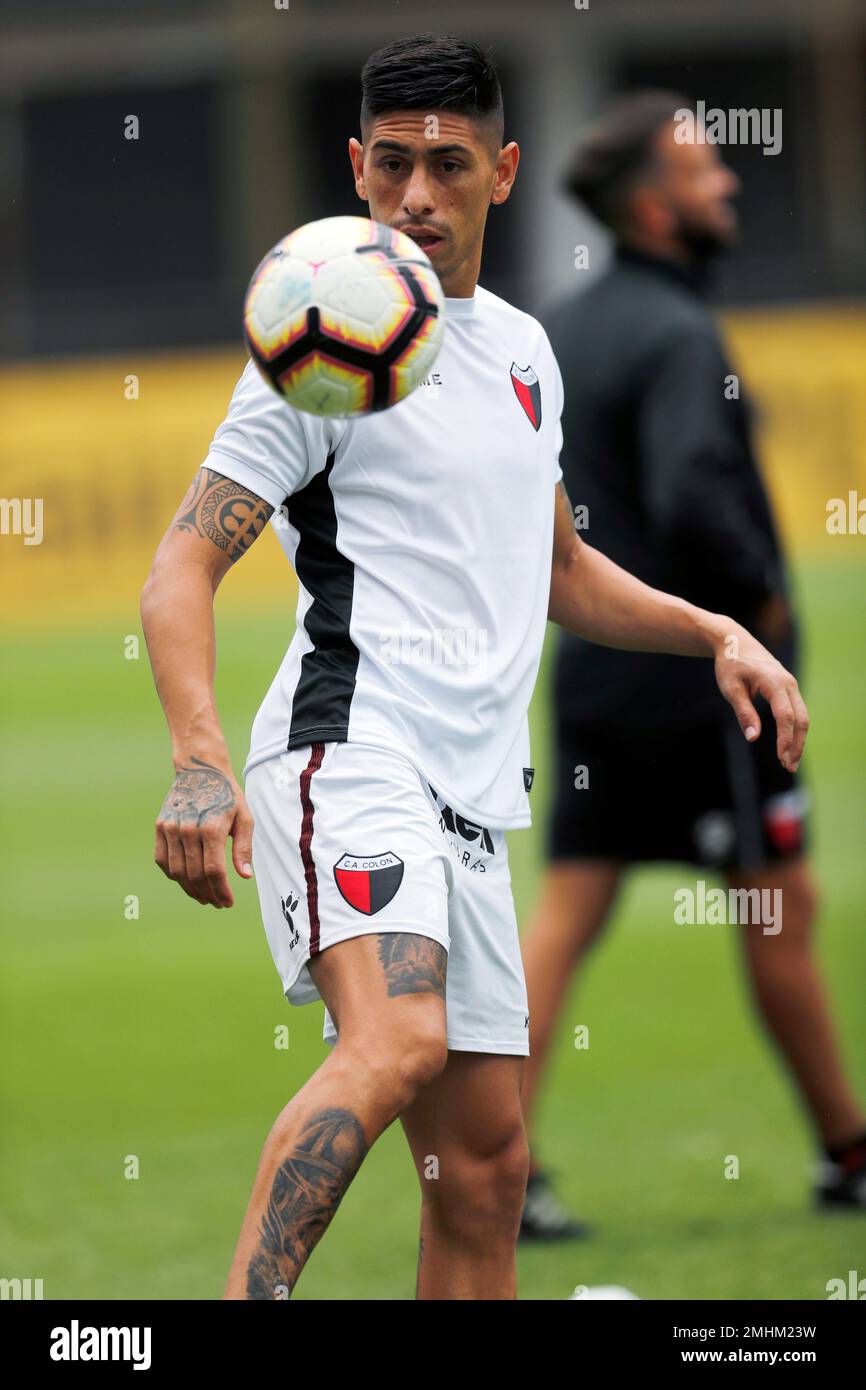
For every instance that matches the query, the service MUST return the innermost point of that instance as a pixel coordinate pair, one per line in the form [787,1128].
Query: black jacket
[657,446]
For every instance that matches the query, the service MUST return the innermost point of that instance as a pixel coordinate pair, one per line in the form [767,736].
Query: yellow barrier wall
[112,470]
[805,370]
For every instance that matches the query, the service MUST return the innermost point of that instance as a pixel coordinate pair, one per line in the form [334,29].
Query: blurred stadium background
[122,268]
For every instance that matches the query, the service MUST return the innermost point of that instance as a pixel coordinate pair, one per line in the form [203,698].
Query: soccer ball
[344,316]
[602,1293]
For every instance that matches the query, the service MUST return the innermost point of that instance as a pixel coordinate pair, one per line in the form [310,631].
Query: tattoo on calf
[307,1189]
[413,964]
[223,512]
[196,795]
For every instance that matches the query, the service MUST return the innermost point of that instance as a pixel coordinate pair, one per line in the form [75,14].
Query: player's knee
[481,1198]
[800,906]
[510,1171]
[807,901]
[397,1064]
[420,1054]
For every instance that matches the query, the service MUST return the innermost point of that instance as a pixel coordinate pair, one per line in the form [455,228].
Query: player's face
[433,176]
[698,187]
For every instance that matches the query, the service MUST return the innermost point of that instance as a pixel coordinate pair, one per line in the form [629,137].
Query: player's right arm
[214,526]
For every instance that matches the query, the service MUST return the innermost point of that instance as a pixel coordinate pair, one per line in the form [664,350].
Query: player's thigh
[577,897]
[386,995]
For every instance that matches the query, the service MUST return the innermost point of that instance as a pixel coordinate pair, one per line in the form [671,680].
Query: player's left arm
[599,601]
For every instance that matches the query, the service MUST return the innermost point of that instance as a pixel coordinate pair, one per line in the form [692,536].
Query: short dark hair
[618,150]
[432,72]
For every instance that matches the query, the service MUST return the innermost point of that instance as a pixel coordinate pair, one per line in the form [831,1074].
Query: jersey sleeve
[559,401]
[266,445]
[558,446]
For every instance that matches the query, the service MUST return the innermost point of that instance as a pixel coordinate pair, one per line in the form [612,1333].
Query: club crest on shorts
[784,820]
[368,882]
[528,392]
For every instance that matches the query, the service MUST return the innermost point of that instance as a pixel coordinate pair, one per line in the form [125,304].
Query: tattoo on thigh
[413,964]
[307,1189]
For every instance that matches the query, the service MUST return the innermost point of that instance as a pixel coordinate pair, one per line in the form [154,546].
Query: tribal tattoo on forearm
[307,1189]
[197,795]
[223,512]
[413,964]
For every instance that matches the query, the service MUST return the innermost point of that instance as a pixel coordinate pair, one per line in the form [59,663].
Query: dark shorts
[700,795]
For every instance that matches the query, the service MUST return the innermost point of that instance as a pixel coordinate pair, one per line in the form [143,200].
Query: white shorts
[351,840]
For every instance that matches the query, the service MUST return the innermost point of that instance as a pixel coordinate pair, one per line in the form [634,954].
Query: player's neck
[661,248]
[461,283]
[465,289]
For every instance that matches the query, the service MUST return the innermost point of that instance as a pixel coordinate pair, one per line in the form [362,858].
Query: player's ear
[356,155]
[506,172]
[651,211]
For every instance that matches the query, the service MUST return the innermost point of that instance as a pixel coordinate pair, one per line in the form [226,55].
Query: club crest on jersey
[528,392]
[368,882]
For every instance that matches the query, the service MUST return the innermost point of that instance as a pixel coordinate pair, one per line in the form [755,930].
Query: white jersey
[422,539]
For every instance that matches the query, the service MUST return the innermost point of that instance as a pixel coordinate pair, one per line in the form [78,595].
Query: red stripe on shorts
[317,752]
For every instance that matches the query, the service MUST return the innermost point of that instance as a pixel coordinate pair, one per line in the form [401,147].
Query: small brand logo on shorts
[528,778]
[368,882]
[288,905]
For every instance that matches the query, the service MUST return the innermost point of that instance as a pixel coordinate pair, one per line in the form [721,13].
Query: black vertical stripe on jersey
[323,695]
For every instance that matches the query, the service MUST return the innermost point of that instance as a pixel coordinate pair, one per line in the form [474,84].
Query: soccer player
[383,775]
[649,765]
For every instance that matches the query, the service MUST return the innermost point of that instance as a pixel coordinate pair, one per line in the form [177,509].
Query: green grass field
[155,1037]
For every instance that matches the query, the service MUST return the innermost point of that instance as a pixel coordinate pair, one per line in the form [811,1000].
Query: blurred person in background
[649,766]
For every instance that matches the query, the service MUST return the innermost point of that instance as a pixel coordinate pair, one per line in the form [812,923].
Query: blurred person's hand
[747,669]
